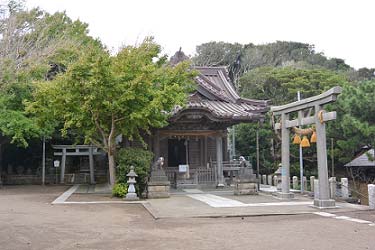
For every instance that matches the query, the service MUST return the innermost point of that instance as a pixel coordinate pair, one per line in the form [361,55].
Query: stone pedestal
[158,185]
[324,203]
[131,197]
[284,196]
[246,182]
[321,203]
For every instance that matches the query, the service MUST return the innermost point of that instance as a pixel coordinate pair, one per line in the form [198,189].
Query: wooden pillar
[63,161]
[285,162]
[225,148]
[321,148]
[201,151]
[156,145]
[91,163]
[219,161]
[205,151]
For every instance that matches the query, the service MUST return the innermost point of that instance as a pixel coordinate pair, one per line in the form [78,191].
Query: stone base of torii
[319,118]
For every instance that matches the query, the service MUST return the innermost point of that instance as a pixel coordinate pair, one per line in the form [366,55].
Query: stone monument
[158,184]
[246,182]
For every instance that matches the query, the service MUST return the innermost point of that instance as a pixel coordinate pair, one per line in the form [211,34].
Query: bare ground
[29,221]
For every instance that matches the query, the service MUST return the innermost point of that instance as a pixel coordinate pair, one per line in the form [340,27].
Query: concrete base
[324,203]
[131,197]
[158,190]
[245,188]
[284,196]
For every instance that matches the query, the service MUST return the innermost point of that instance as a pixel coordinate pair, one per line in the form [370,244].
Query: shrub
[141,160]
[120,190]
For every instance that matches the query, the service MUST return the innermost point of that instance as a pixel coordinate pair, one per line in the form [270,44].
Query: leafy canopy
[34,45]
[104,96]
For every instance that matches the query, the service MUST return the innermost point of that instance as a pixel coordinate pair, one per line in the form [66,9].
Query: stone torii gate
[76,150]
[318,119]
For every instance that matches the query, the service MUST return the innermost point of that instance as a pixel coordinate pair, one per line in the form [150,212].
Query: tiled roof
[216,94]
[242,111]
[363,160]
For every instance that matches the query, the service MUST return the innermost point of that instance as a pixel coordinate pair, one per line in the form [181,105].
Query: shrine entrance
[304,109]
[177,152]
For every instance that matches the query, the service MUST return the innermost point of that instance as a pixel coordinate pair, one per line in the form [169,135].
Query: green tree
[280,85]
[246,145]
[105,96]
[34,45]
[355,124]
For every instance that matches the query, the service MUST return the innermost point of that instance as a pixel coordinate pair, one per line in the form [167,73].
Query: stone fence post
[304,183]
[344,188]
[316,189]
[275,181]
[312,178]
[264,179]
[371,196]
[332,188]
[269,179]
[295,182]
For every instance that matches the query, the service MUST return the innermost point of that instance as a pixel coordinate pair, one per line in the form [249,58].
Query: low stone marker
[269,179]
[295,182]
[316,189]
[312,178]
[304,184]
[264,179]
[275,180]
[371,196]
[344,188]
[332,187]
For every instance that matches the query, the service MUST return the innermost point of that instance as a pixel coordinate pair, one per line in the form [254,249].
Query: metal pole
[44,162]
[257,148]
[333,159]
[300,149]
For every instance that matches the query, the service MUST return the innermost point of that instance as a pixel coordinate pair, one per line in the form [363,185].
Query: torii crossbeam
[318,119]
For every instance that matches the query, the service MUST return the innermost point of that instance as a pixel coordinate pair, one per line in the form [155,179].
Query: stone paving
[225,204]
[210,203]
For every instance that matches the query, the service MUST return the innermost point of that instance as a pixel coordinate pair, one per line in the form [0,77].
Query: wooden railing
[205,175]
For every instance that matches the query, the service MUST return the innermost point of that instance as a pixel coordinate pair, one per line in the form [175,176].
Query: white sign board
[56,163]
[183,168]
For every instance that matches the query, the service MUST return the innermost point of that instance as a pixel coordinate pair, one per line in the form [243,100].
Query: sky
[342,29]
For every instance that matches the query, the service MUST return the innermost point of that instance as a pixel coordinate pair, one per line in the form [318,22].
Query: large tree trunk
[112,169]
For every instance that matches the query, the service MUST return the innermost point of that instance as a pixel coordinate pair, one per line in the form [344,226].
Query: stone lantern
[131,195]
[277,176]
